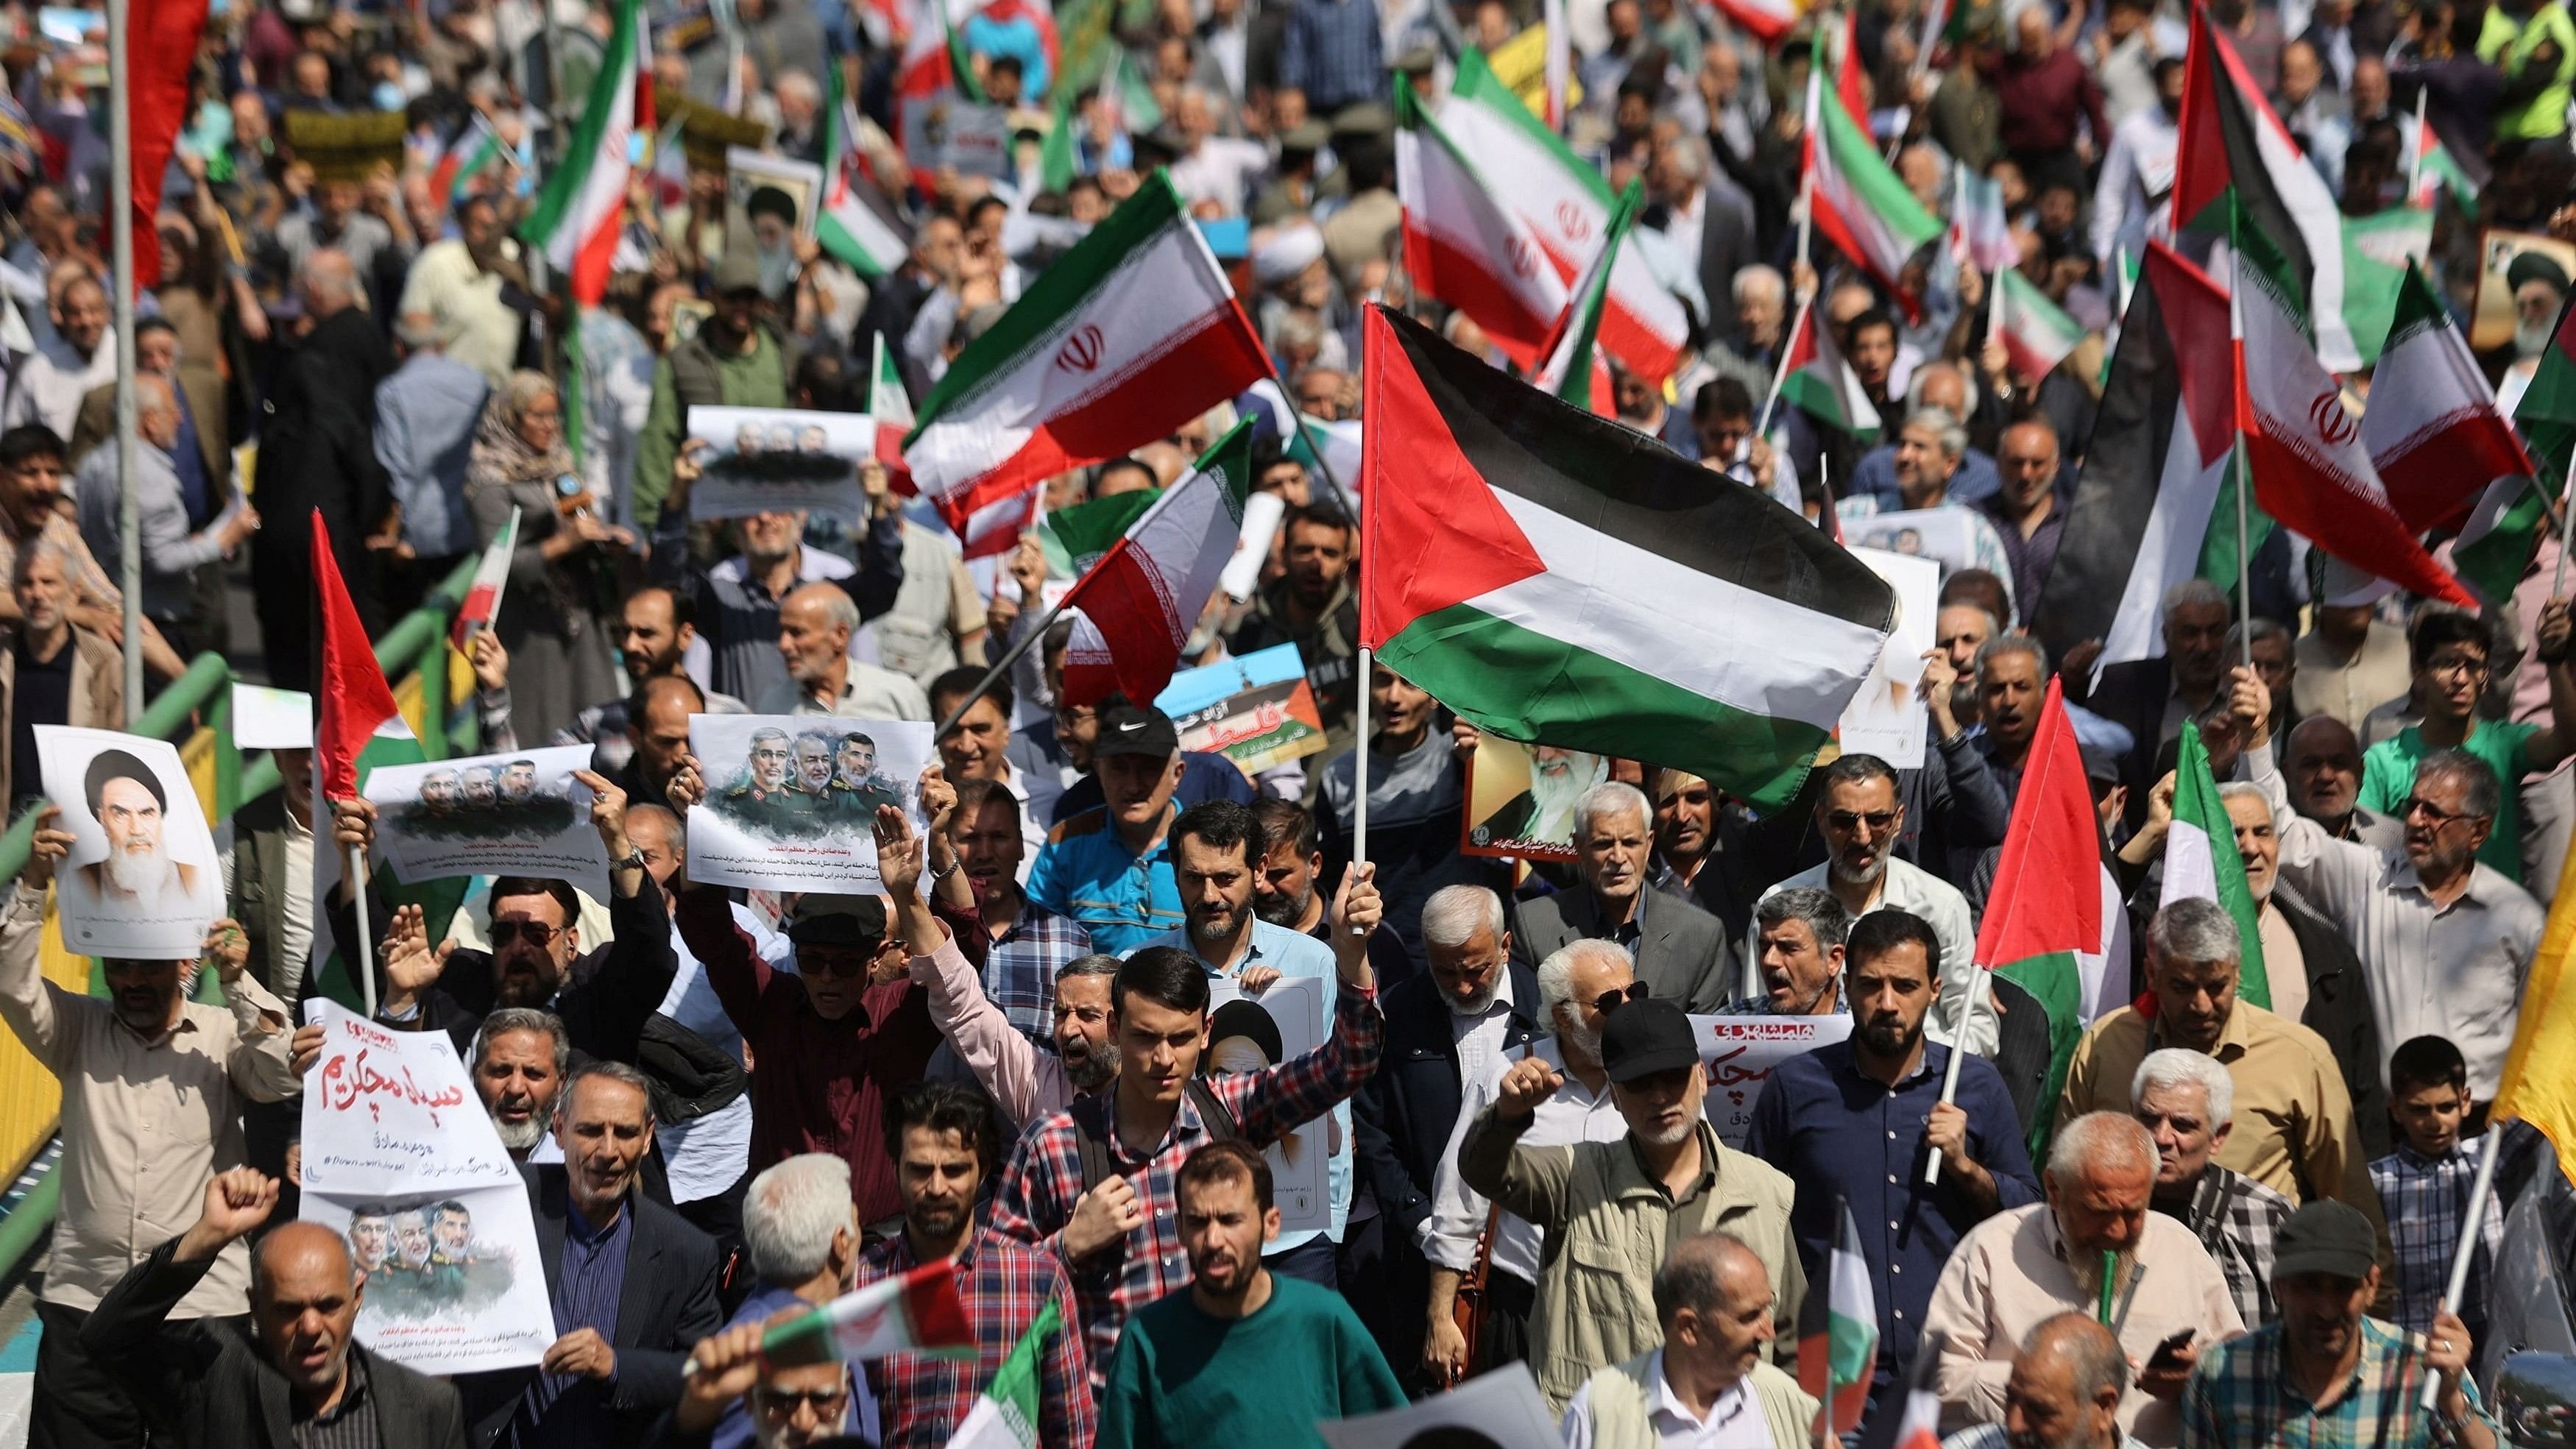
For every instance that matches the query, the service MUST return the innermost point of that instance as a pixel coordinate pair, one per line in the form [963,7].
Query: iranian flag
[355,704]
[2310,469]
[1574,369]
[1463,245]
[855,224]
[491,576]
[1768,21]
[1140,602]
[916,1312]
[1980,231]
[2202,863]
[2233,148]
[1566,206]
[2042,930]
[468,156]
[2153,505]
[1838,1333]
[1073,539]
[1132,333]
[891,406]
[1558,579]
[2036,334]
[1006,1417]
[1918,1420]
[1858,201]
[2432,430]
[1815,379]
[583,206]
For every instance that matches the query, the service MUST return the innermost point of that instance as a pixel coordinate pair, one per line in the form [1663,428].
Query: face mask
[389,96]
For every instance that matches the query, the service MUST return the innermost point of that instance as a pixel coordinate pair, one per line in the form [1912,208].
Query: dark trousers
[78,1404]
[720,1217]
[1312,1260]
[1505,1332]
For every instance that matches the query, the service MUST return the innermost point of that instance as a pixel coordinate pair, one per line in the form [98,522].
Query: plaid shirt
[1020,967]
[2424,1198]
[1334,51]
[2235,1218]
[922,1398]
[1044,1177]
[2238,1395]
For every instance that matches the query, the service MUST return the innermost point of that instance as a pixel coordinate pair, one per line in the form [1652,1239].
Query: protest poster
[769,204]
[516,814]
[1947,536]
[393,1112]
[791,800]
[1520,798]
[1501,1409]
[1886,714]
[2491,315]
[1298,1013]
[453,1281]
[946,131]
[1256,711]
[141,879]
[1738,1053]
[780,460]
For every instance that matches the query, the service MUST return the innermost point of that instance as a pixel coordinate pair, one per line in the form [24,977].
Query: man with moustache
[520,1058]
[1681,951]
[2012,684]
[1799,939]
[2188,1101]
[1715,1305]
[660,709]
[975,828]
[2322,761]
[656,628]
[2064,1392]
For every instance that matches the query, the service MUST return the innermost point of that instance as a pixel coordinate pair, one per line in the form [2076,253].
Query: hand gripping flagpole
[366,953]
[2471,1238]
[1968,1006]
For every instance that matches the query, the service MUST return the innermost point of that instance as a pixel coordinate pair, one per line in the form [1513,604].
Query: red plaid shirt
[1003,1284]
[1044,1178]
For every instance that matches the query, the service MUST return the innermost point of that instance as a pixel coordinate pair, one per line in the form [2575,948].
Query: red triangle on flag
[354,700]
[2054,839]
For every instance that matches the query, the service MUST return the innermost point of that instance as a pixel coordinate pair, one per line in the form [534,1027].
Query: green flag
[2201,862]
[1006,1417]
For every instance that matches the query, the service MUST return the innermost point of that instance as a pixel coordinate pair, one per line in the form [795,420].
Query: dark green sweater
[1183,1380]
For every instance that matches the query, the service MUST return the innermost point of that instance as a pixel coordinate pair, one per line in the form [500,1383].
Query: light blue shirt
[425,417]
[1290,953]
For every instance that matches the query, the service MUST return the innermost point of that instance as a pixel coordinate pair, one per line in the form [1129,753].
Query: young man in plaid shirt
[2424,1184]
[2188,1101]
[1121,1240]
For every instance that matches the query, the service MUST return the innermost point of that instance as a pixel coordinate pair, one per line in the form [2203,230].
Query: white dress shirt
[1572,1115]
[1734,1421]
[1479,1038]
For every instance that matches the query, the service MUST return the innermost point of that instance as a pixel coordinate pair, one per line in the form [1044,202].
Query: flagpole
[1360,757]
[1323,461]
[2471,1238]
[1002,665]
[2245,554]
[2566,530]
[1958,1054]
[365,969]
[2415,169]
[1780,373]
[121,228]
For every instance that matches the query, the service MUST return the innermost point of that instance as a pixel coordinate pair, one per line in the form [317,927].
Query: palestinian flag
[1059,159]
[473,151]
[1838,1333]
[1859,203]
[2036,334]
[1573,370]
[2546,412]
[917,1312]
[2432,430]
[1073,539]
[1140,602]
[491,576]
[2041,930]
[2377,250]
[855,225]
[2152,506]
[1980,232]
[2201,862]
[2434,167]
[1127,336]
[583,208]
[1465,246]
[1566,205]
[2305,452]
[1768,21]
[1558,579]
[2234,149]
[1006,1416]
[355,704]
[2496,545]
[1815,379]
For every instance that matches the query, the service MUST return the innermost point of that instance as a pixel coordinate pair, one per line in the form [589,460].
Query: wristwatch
[633,859]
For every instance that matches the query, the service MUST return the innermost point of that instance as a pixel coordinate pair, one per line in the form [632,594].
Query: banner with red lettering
[393,1111]
[1738,1053]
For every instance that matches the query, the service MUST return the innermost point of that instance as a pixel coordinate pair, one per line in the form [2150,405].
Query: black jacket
[2132,696]
[208,1383]
[1404,1116]
[2339,1010]
[667,1305]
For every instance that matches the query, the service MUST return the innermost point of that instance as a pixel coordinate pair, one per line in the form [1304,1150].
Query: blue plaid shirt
[1020,967]
[2423,1199]
[2238,1397]
[1335,53]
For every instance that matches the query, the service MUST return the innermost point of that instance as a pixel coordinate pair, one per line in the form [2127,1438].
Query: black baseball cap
[2325,1237]
[1642,1038]
[1127,730]
[828,920]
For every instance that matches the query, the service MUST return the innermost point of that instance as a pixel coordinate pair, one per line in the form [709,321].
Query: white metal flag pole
[1780,372]
[364,968]
[2470,1239]
[1360,773]
[2566,530]
[2415,168]
[1958,1053]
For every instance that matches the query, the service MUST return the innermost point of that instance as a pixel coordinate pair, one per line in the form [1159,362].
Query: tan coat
[1620,1401]
[98,687]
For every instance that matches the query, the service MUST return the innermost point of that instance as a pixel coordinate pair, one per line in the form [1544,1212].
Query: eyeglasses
[535,933]
[783,1403]
[1609,1001]
[2455,664]
[2439,816]
[1879,820]
[841,963]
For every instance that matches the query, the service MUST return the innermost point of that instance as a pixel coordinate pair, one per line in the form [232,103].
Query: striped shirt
[350,1424]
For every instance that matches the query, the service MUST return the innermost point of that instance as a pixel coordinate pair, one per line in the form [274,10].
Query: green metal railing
[414,649]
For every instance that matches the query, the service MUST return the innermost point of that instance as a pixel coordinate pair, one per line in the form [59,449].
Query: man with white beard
[520,1060]
[137,877]
[2538,285]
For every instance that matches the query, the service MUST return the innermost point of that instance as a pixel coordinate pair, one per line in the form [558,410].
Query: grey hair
[2483,796]
[527,1018]
[1946,432]
[1556,973]
[2100,1140]
[2189,592]
[1611,795]
[2265,630]
[1994,626]
[1689,156]
[524,387]
[797,81]
[838,607]
[1759,276]
[2094,1360]
[1095,964]
[1689,1277]
[618,1072]
[2195,930]
[34,549]
[1998,645]
[1452,914]
[328,272]
[1826,916]
[2246,790]
[153,395]
[791,1213]
[2173,1067]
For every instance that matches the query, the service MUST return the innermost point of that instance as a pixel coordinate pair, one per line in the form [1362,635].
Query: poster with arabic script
[389,1112]
[1738,1053]
[453,1280]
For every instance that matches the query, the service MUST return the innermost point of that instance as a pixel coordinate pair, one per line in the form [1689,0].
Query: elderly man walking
[1714,1301]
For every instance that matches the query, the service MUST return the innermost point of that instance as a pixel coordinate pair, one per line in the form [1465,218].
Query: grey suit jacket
[259,892]
[1683,954]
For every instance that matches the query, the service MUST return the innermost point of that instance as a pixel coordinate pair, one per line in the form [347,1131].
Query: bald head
[1939,385]
[1713,1298]
[304,1293]
[329,281]
[2322,763]
[2065,1387]
[295,1248]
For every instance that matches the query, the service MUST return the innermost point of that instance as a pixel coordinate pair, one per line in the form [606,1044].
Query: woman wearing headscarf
[555,618]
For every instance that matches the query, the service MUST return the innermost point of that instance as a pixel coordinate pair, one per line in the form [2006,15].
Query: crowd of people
[2227,1215]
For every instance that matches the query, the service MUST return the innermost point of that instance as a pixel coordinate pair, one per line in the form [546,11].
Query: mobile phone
[2171,1349]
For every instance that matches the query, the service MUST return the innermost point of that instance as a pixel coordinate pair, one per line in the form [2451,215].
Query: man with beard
[153,1089]
[1959,631]
[1449,1031]
[2322,759]
[944,1142]
[1544,811]
[2026,1265]
[519,782]
[2325,1372]
[763,797]
[1284,888]
[738,603]
[371,1237]
[2012,683]
[2188,1101]
[632,1285]
[2153,698]
[855,770]
[1855,1123]
[659,710]
[468,288]
[137,878]
[520,1059]
[1799,939]
[1616,1204]
[656,629]
[2539,289]
[1681,951]
[2029,511]
[1246,1355]
[1313,606]
[53,671]
[2064,1392]
[976,829]
[2349,663]
[1715,1306]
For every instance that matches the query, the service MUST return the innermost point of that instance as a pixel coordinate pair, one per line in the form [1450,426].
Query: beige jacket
[98,688]
[1618,1406]
[1607,1226]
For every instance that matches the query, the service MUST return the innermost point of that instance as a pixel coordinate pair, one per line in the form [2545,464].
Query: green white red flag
[1465,246]
[1141,600]
[491,576]
[1006,1416]
[1858,201]
[583,206]
[2036,333]
[917,1312]
[2432,429]
[1574,369]
[2202,862]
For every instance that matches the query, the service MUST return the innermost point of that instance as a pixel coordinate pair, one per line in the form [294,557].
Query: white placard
[272,719]
[1261,515]
[1501,1408]
[454,1282]
[1738,1053]
[791,800]
[1885,716]
[393,1112]
[1301,1178]
[141,880]
[780,460]
[516,814]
